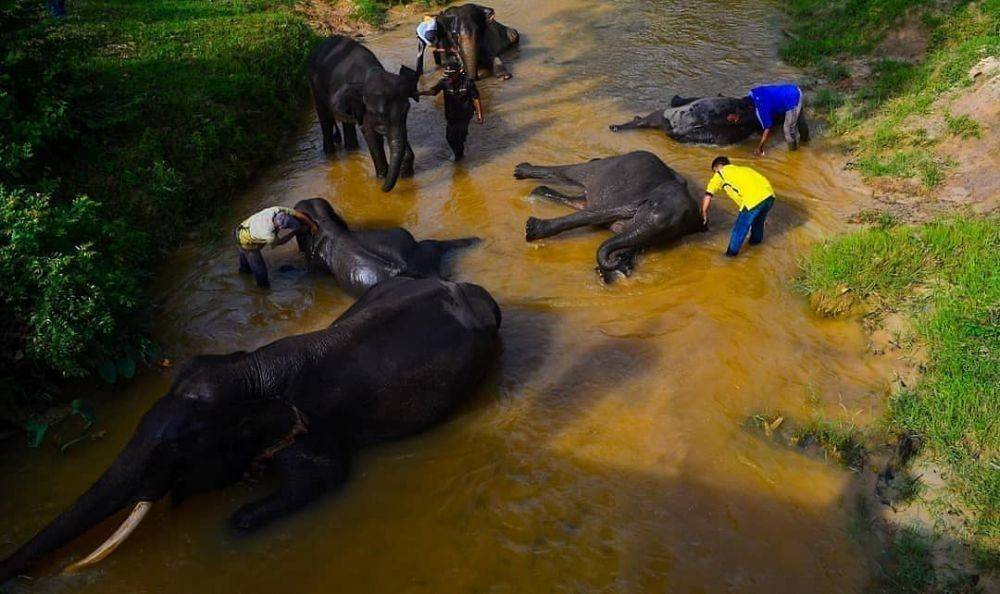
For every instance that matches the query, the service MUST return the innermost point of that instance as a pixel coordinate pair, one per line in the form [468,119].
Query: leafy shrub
[70,280]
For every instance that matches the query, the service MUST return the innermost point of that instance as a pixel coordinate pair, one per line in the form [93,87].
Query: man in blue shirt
[770,102]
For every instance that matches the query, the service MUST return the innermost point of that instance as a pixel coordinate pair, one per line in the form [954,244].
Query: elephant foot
[503,75]
[615,128]
[520,171]
[534,229]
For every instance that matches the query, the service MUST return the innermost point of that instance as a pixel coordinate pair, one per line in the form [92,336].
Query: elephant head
[462,27]
[381,102]
[202,435]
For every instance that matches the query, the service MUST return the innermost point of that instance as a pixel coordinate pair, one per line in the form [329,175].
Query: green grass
[906,566]
[963,126]
[157,112]
[946,277]
[878,117]
[375,12]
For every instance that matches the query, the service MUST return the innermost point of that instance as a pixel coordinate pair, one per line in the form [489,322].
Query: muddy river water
[606,452]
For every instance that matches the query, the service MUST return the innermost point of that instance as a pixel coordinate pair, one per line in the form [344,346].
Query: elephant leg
[653,120]
[577,202]
[406,169]
[331,135]
[539,228]
[559,173]
[350,136]
[376,146]
[306,474]
[500,70]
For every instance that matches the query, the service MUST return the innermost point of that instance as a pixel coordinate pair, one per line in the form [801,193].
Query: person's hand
[480,119]
[704,219]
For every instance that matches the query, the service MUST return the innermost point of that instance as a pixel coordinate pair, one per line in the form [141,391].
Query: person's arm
[431,91]
[763,141]
[479,110]
[476,103]
[706,201]
[283,240]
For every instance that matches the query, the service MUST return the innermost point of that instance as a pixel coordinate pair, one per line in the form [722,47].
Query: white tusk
[131,522]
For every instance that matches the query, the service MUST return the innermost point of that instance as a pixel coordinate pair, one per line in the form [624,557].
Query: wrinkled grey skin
[699,121]
[350,86]
[636,194]
[478,42]
[398,362]
[360,259]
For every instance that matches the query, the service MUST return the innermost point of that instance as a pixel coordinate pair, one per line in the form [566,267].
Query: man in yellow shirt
[752,194]
[261,229]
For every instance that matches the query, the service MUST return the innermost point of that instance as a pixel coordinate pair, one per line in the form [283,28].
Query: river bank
[126,126]
[912,92]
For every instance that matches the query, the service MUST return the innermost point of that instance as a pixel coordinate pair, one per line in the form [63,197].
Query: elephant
[637,194]
[472,32]
[361,259]
[350,86]
[702,120]
[397,362]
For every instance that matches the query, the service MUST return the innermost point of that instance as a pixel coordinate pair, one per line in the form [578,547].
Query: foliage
[878,117]
[963,126]
[157,110]
[955,406]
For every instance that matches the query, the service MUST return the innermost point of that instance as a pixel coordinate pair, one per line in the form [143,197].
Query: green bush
[70,281]
[158,110]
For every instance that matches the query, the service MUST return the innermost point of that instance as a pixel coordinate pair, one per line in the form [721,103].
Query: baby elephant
[361,259]
[702,120]
[636,194]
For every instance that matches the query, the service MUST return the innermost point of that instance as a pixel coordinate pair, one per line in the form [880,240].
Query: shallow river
[606,453]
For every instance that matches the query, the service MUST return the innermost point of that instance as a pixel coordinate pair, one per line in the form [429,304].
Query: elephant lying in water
[701,120]
[641,198]
[396,363]
[361,259]
[477,37]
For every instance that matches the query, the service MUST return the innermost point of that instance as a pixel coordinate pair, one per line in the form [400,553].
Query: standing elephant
[350,86]
[472,32]
[700,120]
[361,259]
[396,363]
[641,199]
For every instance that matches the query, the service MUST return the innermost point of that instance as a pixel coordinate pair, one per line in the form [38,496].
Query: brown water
[606,453]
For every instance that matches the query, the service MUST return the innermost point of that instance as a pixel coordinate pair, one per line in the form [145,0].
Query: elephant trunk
[397,151]
[468,50]
[114,490]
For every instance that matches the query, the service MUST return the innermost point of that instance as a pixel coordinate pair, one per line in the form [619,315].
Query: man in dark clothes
[461,100]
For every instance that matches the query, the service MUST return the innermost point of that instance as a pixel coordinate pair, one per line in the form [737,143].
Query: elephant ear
[349,101]
[408,79]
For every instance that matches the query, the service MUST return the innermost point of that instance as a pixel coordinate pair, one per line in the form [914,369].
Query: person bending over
[752,194]
[262,229]
[769,102]
[461,101]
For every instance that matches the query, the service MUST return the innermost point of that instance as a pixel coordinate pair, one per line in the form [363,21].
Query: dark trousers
[253,261]
[456,132]
[752,222]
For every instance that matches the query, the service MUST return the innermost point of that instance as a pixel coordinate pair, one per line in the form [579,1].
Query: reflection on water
[606,454]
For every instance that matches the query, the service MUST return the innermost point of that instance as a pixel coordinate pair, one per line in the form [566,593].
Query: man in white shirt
[262,229]
[426,35]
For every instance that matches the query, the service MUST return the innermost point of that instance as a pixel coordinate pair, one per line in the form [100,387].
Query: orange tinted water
[605,454]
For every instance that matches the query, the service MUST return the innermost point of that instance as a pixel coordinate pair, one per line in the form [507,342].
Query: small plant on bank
[963,126]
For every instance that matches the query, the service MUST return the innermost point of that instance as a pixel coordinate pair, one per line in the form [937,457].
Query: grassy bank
[882,104]
[123,126]
[894,116]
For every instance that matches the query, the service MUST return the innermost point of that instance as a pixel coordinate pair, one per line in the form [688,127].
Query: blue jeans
[752,222]
[253,261]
